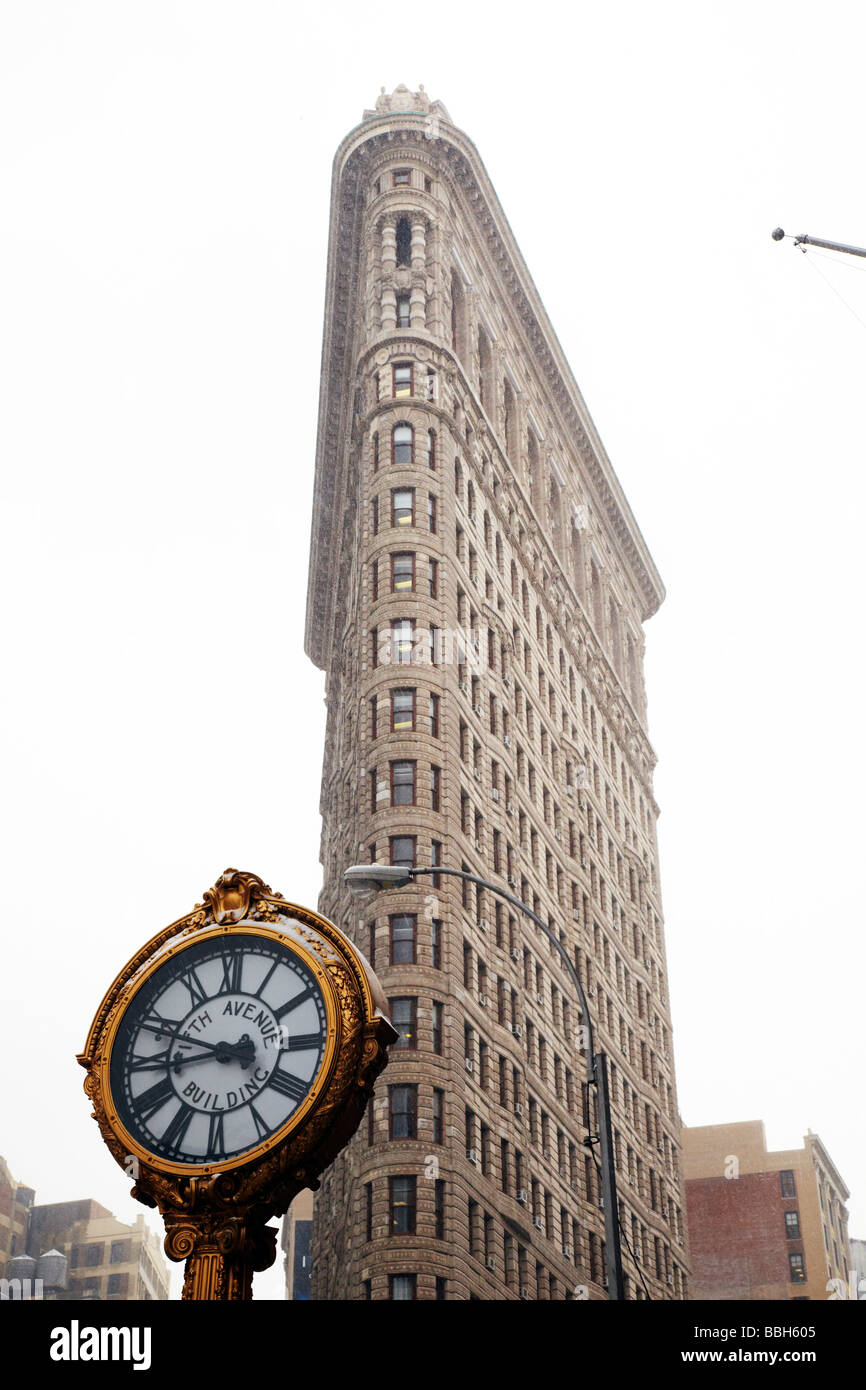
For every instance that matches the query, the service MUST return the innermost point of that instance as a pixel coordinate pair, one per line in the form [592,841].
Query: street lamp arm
[521,906]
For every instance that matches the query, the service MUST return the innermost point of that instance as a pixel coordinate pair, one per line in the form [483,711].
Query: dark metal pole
[597,1074]
[612,1244]
[804,240]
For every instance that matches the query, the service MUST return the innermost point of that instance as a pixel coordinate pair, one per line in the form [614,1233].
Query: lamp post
[366,879]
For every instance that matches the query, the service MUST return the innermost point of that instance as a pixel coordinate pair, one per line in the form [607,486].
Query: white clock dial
[218,1049]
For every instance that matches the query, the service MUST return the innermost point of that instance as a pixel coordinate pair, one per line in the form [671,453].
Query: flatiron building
[477,593]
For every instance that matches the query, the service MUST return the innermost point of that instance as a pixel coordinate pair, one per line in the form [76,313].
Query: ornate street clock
[230,1061]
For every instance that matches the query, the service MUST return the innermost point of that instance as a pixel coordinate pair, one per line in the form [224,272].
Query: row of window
[119,1252]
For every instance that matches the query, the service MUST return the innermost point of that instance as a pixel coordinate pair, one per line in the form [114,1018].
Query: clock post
[229,1063]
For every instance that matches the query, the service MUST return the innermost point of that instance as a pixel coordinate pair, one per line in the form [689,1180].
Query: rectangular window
[401,177]
[436,943]
[401,1198]
[368,1192]
[403,311]
[93,1255]
[786,1180]
[402,383]
[404,1014]
[433,717]
[402,1287]
[402,711]
[402,639]
[435,862]
[439,1208]
[402,572]
[792,1225]
[403,1112]
[433,578]
[438,1022]
[403,506]
[402,849]
[375,510]
[431,512]
[118,1285]
[435,788]
[797,1267]
[438,1116]
[371,950]
[403,938]
[374,579]
[402,784]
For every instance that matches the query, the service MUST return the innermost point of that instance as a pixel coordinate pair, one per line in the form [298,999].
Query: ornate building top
[401,99]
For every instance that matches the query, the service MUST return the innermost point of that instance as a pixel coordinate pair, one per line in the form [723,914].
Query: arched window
[404,241]
[402,444]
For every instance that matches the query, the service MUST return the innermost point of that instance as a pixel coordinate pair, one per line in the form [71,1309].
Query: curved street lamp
[364,880]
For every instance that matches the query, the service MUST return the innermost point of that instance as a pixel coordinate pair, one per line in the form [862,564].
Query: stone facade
[764,1225]
[477,592]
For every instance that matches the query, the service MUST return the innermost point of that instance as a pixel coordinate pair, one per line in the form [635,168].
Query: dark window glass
[403,572]
[403,507]
[403,1111]
[402,784]
[402,1202]
[403,379]
[402,444]
[404,1018]
[402,850]
[402,710]
[792,1225]
[786,1180]
[403,926]
[401,1287]
[438,1011]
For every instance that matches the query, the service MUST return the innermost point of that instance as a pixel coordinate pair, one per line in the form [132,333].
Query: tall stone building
[477,591]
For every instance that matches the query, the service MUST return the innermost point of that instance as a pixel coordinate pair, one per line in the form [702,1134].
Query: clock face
[218,1048]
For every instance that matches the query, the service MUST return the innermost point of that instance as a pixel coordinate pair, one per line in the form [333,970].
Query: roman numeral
[197,991]
[288,1085]
[163,1027]
[149,1102]
[294,1003]
[157,1062]
[264,982]
[215,1140]
[233,966]
[301,1042]
[172,1137]
[262,1130]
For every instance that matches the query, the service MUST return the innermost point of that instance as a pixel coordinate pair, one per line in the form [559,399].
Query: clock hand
[231,1048]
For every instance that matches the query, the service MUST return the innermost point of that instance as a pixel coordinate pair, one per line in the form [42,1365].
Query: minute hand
[233,1049]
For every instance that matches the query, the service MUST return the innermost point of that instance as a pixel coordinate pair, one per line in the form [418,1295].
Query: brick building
[461,488]
[763,1225]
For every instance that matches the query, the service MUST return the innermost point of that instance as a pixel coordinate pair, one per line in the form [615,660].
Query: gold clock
[229,1062]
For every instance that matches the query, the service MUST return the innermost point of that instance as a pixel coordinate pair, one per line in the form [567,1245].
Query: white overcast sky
[165,173]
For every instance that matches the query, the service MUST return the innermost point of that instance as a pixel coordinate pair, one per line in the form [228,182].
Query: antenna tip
[778,234]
